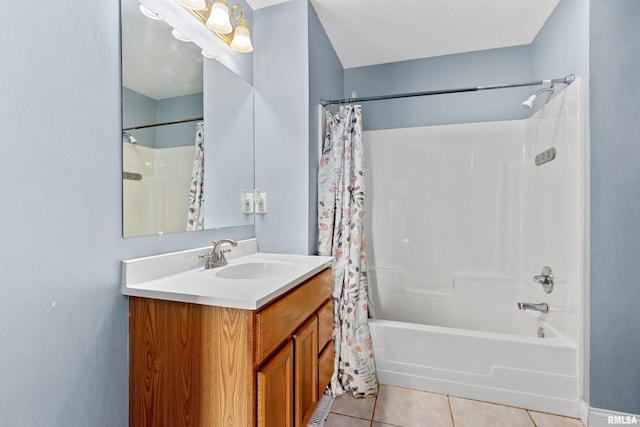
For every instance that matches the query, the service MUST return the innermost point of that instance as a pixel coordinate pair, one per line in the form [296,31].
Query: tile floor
[395,406]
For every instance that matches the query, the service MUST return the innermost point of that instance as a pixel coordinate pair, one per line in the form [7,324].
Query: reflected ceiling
[145,66]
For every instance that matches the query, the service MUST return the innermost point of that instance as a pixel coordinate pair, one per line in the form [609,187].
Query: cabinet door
[275,390]
[306,371]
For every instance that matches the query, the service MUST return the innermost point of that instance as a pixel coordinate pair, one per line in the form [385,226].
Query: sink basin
[253,270]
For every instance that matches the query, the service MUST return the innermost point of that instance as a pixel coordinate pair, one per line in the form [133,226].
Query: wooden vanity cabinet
[275,389]
[198,365]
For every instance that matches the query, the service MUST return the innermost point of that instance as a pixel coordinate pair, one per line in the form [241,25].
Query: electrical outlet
[247,203]
[261,204]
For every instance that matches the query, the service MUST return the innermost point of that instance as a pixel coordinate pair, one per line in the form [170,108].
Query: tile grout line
[532,420]
[375,402]
[453,422]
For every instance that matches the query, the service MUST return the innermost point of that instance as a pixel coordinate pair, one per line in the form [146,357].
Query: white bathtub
[524,371]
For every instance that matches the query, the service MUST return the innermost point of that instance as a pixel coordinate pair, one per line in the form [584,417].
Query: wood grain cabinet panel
[279,320]
[275,390]
[325,367]
[179,356]
[193,365]
[305,342]
[325,324]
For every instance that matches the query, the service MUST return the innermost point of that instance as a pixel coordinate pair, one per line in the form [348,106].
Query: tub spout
[542,307]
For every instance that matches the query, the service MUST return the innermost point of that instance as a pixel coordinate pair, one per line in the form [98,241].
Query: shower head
[127,137]
[528,104]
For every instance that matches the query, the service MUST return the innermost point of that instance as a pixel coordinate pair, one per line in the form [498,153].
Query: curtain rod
[565,80]
[195,119]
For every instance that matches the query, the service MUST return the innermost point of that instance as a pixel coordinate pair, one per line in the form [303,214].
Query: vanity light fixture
[241,38]
[219,19]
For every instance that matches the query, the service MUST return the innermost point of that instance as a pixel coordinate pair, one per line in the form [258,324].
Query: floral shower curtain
[195,215]
[341,193]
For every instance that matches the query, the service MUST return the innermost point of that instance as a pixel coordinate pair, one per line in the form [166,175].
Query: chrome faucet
[216,257]
[545,279]
[542,307]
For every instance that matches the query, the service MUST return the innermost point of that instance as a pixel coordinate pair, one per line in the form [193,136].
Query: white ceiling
[369,32]
[155,63]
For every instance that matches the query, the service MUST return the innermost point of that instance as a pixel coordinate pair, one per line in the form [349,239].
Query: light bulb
[241,38]
[193,4]
[219,18]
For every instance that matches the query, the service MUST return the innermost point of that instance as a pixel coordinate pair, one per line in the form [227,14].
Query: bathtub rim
[558,340]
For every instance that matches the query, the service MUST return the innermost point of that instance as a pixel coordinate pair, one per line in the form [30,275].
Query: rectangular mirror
[187,138]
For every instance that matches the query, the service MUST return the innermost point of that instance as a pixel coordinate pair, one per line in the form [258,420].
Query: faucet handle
[545,279]
[222,254]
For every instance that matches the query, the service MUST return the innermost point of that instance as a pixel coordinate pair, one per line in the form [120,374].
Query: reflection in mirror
[164,139]
[161,107]
[230,145]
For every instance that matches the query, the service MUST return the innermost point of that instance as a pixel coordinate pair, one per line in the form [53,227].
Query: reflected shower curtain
[195,216]
[341,192]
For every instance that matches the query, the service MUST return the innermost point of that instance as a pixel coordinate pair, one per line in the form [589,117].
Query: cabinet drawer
[277,322]
[325,367]
[325,324]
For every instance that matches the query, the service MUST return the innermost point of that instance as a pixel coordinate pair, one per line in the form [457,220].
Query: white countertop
[181,277]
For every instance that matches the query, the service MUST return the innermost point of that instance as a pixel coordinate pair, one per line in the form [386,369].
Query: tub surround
[462,219]
[180,276]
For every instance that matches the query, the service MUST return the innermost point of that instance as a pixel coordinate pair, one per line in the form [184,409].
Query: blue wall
[178,108]
[138,109]
[615,204]
[295,66]
[229,147]
[326,80]
[281,81]
[489,67]
[562,46]
[63,333]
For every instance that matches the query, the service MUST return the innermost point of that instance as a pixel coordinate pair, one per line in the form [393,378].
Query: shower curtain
[341,192]
[195,215]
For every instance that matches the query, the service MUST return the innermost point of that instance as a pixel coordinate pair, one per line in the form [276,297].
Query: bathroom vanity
[197,361]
